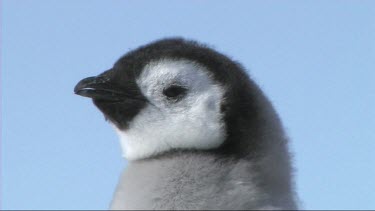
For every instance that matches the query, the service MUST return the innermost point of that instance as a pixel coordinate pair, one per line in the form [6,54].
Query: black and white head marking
[176,94]
[183,113]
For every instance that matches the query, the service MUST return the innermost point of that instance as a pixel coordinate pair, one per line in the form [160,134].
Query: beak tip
[83,86]
[98,88]
[84,92]
[77,92]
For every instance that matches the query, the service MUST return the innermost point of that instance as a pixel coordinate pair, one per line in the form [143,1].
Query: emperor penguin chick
[197,132]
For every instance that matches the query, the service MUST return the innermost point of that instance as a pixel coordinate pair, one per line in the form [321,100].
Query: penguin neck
[255,134]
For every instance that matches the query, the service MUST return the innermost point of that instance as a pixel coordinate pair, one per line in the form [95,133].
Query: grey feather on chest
[190,181]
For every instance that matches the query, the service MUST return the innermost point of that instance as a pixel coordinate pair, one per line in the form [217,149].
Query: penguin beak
[119,100]
[101,88]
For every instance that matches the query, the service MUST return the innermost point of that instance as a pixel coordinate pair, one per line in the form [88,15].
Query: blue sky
[314,59]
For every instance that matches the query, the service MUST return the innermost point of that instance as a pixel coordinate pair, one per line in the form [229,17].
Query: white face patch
[194,121]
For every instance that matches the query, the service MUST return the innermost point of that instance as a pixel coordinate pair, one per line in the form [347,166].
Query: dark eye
[174,91]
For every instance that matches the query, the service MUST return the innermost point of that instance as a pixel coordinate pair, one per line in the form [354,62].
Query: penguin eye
[174,91]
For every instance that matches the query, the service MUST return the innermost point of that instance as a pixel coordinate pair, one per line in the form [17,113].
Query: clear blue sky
[314,59]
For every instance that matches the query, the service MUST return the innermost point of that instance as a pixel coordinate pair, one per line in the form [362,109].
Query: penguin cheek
[120,113]
[211,104]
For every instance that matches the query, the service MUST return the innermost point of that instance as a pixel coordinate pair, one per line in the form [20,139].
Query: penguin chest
[185,182]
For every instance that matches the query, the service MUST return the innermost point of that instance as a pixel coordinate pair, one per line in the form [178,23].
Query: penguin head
[169,95]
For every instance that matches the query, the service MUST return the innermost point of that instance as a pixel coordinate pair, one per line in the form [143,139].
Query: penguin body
[197,131]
